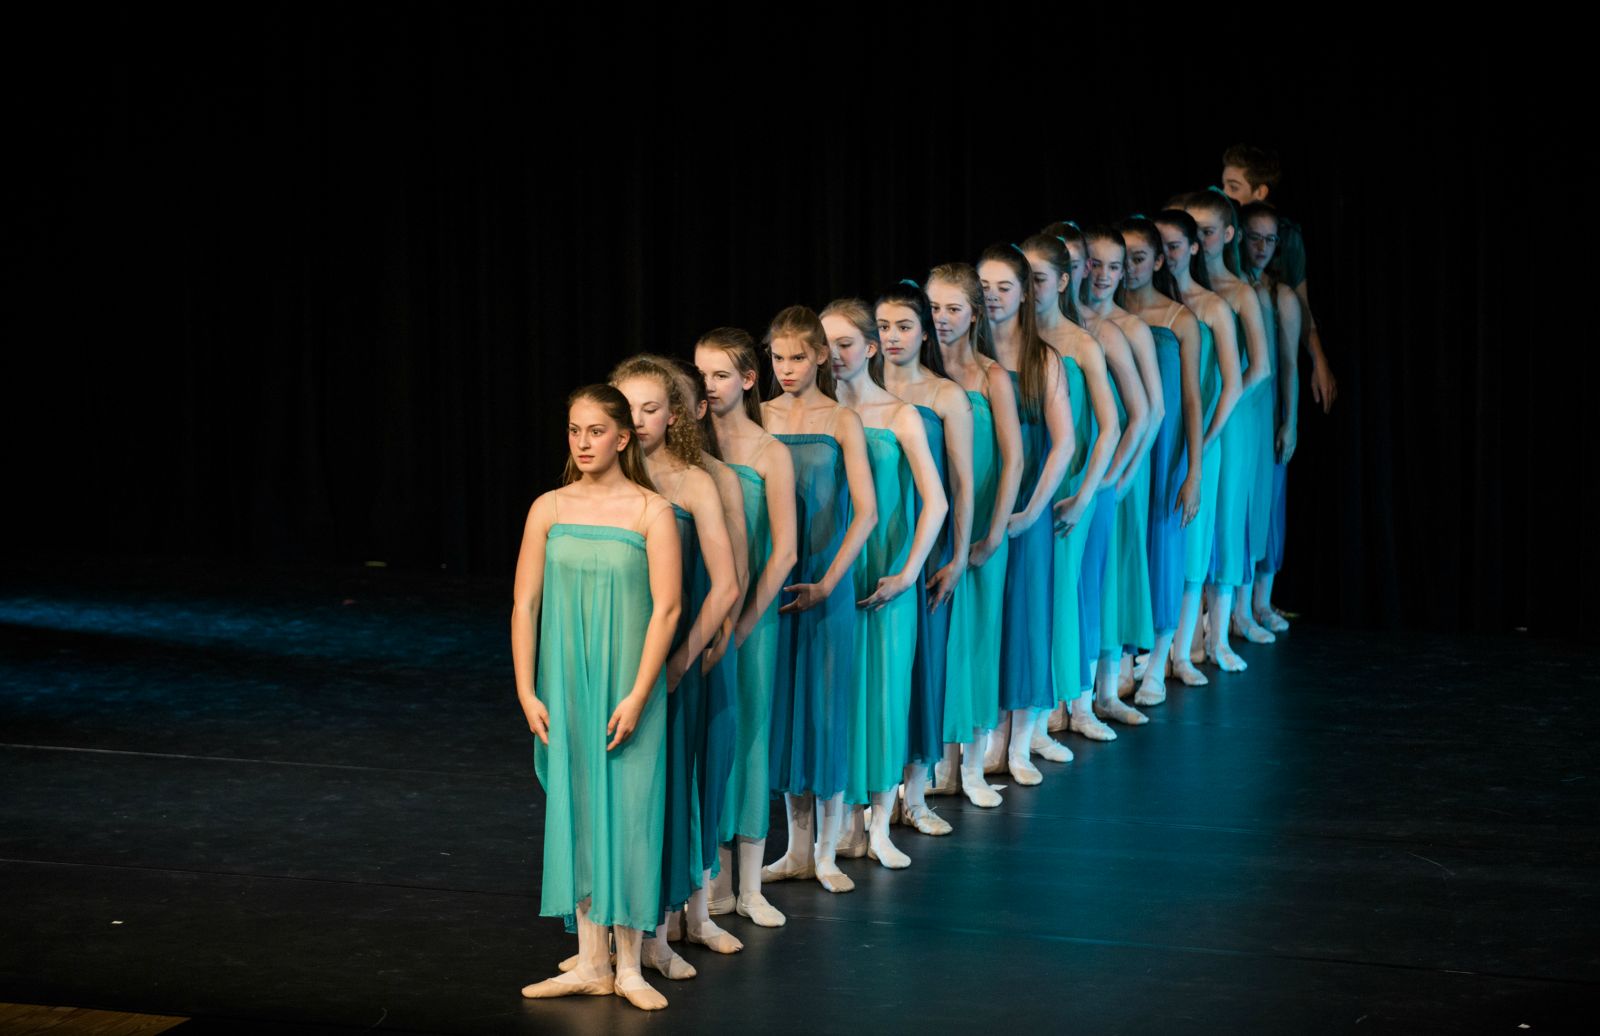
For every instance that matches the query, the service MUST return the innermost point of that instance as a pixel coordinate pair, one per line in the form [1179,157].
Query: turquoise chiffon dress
[603,828]
[1240,443]
[1097,583]
[682,861]
[1200,535]
[1169,466]
[972,660]
[886,637]
[1069,667]
[816,648]
[1026,681]
[1258,518]
[925,734]
[746,811]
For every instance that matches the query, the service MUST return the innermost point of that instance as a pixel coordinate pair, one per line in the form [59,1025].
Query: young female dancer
[1175,459]
[1219,394]
[1100,579]
[1095,438]
[1260,248]
[599,572]
[727,360]
[972,661]
[1217,224]
[890,565]
[835,511]
[1107,260]
[669,438]
[913,370]
[1026,683]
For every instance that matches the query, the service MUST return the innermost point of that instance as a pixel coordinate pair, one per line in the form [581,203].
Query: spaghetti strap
[1177,307]
[555,502]
[640,524]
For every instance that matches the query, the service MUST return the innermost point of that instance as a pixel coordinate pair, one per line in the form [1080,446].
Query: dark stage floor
[307,796]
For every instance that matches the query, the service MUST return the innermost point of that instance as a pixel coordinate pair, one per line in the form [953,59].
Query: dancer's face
[1260,241]
[900,331]
[848,348]
[1143,262]
[793,364]
[1177,249]
[725,383]
[1047,283]
[652,410]
[1106,261]
[1002,294]
[1236,185]
[1214,232]
[952,312]
[593,439]
[1076,267]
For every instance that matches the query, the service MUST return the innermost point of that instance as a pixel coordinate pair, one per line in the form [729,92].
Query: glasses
[1262,239]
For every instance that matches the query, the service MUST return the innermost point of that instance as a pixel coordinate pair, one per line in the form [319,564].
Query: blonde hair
[860,315]
[800,322]
[740,348]
[684,438]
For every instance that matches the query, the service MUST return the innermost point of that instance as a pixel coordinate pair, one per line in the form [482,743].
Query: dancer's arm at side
[527,593]
[665,559]
[777,472]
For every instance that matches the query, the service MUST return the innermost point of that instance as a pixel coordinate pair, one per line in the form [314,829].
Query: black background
[312,285]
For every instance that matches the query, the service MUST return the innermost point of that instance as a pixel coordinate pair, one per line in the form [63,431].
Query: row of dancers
[969,516]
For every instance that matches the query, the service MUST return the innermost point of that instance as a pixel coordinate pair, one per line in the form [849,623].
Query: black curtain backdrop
[314,285]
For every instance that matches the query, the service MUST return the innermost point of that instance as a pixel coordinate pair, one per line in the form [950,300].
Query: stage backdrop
[314,286]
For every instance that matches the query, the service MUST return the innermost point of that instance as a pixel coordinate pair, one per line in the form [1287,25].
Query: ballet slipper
[1117,711]
[944,781]
[1058,719]
[757,909]
[994,753]
[977,789]
[721,905]
[927,822]
[1141,665]
[569,985]
[785,869]
[1023,771]
[1251,630]
[830,877]
[1191,676]
[1225,658]
[881,849]
[1273,621]
[852,844]
[669,963]
[1046,747]
[1085,723]
[713,938]
[633,988]
[1152,691]
[1124,685]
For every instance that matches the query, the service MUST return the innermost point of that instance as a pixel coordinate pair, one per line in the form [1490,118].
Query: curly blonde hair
[684,437]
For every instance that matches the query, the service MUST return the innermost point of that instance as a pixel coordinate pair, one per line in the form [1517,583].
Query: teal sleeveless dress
[746,812]
[972,660]
[1026,681]
[1240,442]
[816,648]
[886,638]
[603,810]
[1068,665]
[1280,486]
[1200,535]
[1097,584]
[714,763]
[682,864]
[925,735]
[1133,560]
[1258,518]
[1169,466]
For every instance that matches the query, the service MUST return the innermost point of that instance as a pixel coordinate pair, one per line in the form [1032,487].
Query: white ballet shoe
[569,985]
[835,880]
[1141,665]
[633,988]
[1058,719]
[1023,771]
[758,910]
[977,789]
[1120,713]
[785,869]
[994,754]
[1046,747]
[944,782]
[927,822]
[1227,660]
[886,853]
[1252,631]
[1273,621]
[723,905]
[1190,676]
[1152,691]
[713,938]
[1124,685]
[852,846]
[1085,723]
[670,964]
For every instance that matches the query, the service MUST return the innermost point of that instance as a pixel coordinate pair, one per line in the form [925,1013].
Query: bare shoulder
[951,398]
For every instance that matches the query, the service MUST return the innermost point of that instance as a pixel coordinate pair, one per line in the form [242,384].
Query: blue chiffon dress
[1169,466]
[972,660]
[1026,681]
[1069,667]
[925,734]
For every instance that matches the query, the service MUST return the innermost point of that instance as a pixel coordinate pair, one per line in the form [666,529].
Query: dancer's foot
[1046,747]
[994,753]
[665,960]
[1125,684]
[573,983]
[1152,691]
[786,868]
[712,938]
[1085,723]
[633,988]
[944,782]
[852,845]
[1023,771]
[1058,719]
[976,787]
[1272,620]
[830,877]
[1245,625]
[1116,710]
[884,851]
[1141,664]
[926,821]
[756,908]
[718,907]
[1191,676]
[1225,659]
